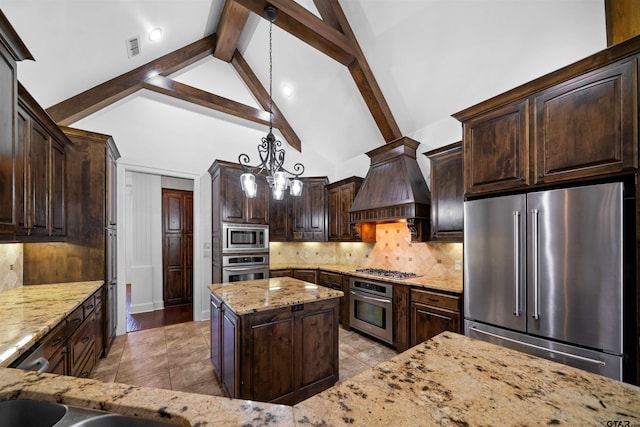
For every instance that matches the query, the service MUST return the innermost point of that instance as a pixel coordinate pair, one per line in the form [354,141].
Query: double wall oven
[245,252]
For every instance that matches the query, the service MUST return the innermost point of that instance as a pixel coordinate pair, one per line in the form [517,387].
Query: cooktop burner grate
[394,274]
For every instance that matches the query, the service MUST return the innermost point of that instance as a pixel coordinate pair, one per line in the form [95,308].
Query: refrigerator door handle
[537,347]
[516,259]
[536,280]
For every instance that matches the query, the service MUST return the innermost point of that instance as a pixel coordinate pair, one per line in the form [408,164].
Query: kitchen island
[274,340]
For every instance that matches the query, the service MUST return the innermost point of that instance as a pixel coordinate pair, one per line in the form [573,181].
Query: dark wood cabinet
[575,124]
[585,127]
[228,200]
[340,196]
[12,50]
[336,281]
[43,153]
[401,303]
[447,193]
[302,218]
[281,273]
[282,355]
[432,313]
[308,275]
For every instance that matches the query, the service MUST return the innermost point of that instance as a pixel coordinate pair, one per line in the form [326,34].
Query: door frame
[201,188]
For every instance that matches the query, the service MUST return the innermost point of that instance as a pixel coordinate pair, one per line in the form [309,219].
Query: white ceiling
[431,58]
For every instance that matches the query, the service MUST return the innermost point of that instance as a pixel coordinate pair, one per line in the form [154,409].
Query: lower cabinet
[281,273]
[305,275]
[337,282]
[432,313]
[284,355]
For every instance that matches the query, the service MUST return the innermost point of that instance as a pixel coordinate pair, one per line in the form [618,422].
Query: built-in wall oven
[371,308]
[236,268]
[244,238]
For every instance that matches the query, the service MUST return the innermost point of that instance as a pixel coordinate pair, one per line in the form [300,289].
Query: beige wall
[393,250]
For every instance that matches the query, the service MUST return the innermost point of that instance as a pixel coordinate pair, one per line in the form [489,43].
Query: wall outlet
[458,265]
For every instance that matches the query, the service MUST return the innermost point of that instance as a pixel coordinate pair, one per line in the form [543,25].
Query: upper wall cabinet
[40,197]
[11,166]
[340,196]
[447,193]
[229,201]
[577,123]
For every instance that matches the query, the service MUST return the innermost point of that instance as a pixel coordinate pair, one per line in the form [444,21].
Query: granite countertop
[435,283]
[267,294]
[27,313]
[448,380]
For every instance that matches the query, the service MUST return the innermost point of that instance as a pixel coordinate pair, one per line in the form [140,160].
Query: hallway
[176,357]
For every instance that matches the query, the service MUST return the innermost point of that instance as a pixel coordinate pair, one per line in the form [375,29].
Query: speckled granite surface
[454,380]
[27,313]
[267,294]
[449,380]
[442,284]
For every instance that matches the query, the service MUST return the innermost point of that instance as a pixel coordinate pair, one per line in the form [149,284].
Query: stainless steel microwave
[245,238]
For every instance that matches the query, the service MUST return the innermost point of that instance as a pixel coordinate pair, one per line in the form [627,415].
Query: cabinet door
[230,349]
[280,273]
[428,321]
[216,328]
[111,180]
[38,178]
[306,275]
[496,150]
[317,209]
[257,210]
[57,214]
[585,127]
[279,220]
[8,142]
[447,194]
[347,194]
[334,214]
[232,199]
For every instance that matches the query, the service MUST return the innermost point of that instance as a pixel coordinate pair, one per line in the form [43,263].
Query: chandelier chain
[270,76]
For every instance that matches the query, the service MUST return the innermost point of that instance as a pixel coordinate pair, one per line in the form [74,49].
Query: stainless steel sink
[36,413]
[30,413]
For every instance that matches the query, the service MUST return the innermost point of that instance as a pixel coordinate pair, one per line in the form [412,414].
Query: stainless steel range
[371,308]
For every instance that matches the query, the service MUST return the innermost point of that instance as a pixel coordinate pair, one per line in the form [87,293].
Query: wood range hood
[394,190]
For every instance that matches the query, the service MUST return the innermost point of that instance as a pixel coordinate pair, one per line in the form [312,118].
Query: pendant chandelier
[270,151]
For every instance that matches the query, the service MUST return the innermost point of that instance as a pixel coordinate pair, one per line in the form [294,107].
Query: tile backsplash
[393,250]
[11,261]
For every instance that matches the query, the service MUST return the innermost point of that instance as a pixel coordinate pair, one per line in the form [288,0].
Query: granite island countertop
[448,380]
[266,294]
[436,283]
[28,313]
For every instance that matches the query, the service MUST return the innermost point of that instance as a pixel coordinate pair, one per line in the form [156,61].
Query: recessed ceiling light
[155,34]
[287,90]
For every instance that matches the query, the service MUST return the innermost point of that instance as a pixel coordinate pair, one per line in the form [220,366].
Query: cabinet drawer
[436,299]
[74,320]
[89,305]
[54,339]
[332,280]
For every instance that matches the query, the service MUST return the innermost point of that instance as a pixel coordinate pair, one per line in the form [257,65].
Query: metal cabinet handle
[42,361]
[536,280]
[516,260]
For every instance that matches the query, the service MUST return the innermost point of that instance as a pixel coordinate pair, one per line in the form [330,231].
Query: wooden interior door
[177,238]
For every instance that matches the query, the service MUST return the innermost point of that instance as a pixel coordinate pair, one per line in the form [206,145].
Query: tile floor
[176,357]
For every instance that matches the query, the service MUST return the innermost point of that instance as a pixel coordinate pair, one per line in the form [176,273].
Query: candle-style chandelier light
[271,155]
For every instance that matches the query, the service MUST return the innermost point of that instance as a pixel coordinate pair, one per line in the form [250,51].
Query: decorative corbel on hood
[394,189]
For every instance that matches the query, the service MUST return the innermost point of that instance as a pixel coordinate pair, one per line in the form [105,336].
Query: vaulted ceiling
[363,72]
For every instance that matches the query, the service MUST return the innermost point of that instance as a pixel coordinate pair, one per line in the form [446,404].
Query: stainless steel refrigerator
[543,274]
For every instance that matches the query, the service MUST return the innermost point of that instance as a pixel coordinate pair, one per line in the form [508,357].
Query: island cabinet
[447,193]
[340,196]
[282,350]
[432,313]
[577,123]
[40,193]
[303,218]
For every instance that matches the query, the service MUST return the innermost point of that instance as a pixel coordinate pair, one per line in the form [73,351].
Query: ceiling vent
[133,46]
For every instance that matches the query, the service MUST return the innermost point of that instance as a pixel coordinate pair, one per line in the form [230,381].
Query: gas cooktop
[393,274]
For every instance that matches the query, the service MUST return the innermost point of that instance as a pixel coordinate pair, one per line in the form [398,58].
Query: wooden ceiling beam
[232,21]
[79,106]
[306,26]
[174,89]
[262,96]
[332,13]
